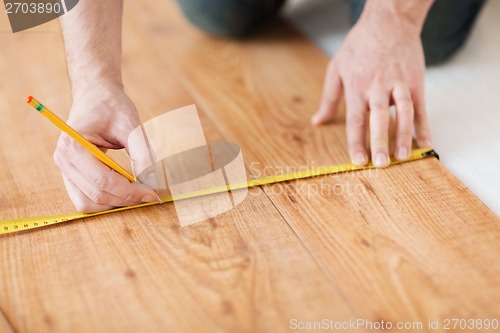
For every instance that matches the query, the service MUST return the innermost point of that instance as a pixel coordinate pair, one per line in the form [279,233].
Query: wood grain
[406,243]
[413,244]
[243,271]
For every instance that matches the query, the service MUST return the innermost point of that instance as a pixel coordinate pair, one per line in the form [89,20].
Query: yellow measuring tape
[10,226]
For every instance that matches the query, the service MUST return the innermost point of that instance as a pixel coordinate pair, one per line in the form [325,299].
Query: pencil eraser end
[29,99]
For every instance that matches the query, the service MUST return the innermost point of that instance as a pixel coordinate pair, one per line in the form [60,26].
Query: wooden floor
[408,243]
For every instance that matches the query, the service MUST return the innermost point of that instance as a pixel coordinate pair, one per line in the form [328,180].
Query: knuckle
[356,146]
[356,120]
[64,149]
[379,142]
[405,137]
[101,181]
[64,143]
[331,98]
[424,134]
[357,83]
[97,197]
[404,104]
[58,158]
[420,114]
[401,87]
[379,106]
[132,196]
[378,81]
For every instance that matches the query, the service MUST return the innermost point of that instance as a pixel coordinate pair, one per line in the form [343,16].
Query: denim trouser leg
[445,30]
[446,27]
[230,18]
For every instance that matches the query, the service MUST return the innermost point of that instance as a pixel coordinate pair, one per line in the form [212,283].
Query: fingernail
[359,159]
[402,153]
[427,143]
[381,160]
[151,198]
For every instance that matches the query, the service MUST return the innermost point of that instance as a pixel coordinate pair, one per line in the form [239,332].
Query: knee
[438,52]
[357,7]
[229,18]
[447,27]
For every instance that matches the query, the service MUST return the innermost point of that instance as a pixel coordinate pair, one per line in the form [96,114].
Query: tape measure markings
[22,224]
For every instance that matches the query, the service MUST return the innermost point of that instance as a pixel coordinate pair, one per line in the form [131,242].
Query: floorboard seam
[178,74]
[332,282]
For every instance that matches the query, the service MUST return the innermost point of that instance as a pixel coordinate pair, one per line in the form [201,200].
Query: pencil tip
[29,99]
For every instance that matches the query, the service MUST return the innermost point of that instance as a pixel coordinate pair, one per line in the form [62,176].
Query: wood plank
[242,271]
[413,244]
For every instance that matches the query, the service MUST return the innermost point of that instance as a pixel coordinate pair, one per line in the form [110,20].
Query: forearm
[397,12]
[92,38]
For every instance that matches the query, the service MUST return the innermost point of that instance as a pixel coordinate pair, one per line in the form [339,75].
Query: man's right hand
[105,116]
[101,111]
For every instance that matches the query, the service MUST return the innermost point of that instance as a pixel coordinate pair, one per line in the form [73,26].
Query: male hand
[380,63]
[106,116]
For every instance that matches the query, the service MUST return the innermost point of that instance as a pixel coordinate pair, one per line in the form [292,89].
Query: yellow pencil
[93,149]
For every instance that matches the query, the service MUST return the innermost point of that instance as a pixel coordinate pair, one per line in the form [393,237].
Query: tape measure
[11,226]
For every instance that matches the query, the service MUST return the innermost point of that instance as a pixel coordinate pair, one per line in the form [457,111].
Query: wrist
[106,104]
[96,85]
[408,15]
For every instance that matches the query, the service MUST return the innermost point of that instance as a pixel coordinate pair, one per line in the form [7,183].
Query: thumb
[143,158]
[332,93]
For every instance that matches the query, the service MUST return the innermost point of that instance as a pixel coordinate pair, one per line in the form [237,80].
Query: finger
[81,202]
[109,181]
[379,127]
[87,188]
[404,120]
[93,193]
[332,93]
[356,128]
[101,176]
[422,129]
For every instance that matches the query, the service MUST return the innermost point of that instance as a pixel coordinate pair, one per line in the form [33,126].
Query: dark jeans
[445,31]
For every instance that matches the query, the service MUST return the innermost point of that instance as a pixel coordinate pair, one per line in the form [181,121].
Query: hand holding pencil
[93,180]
